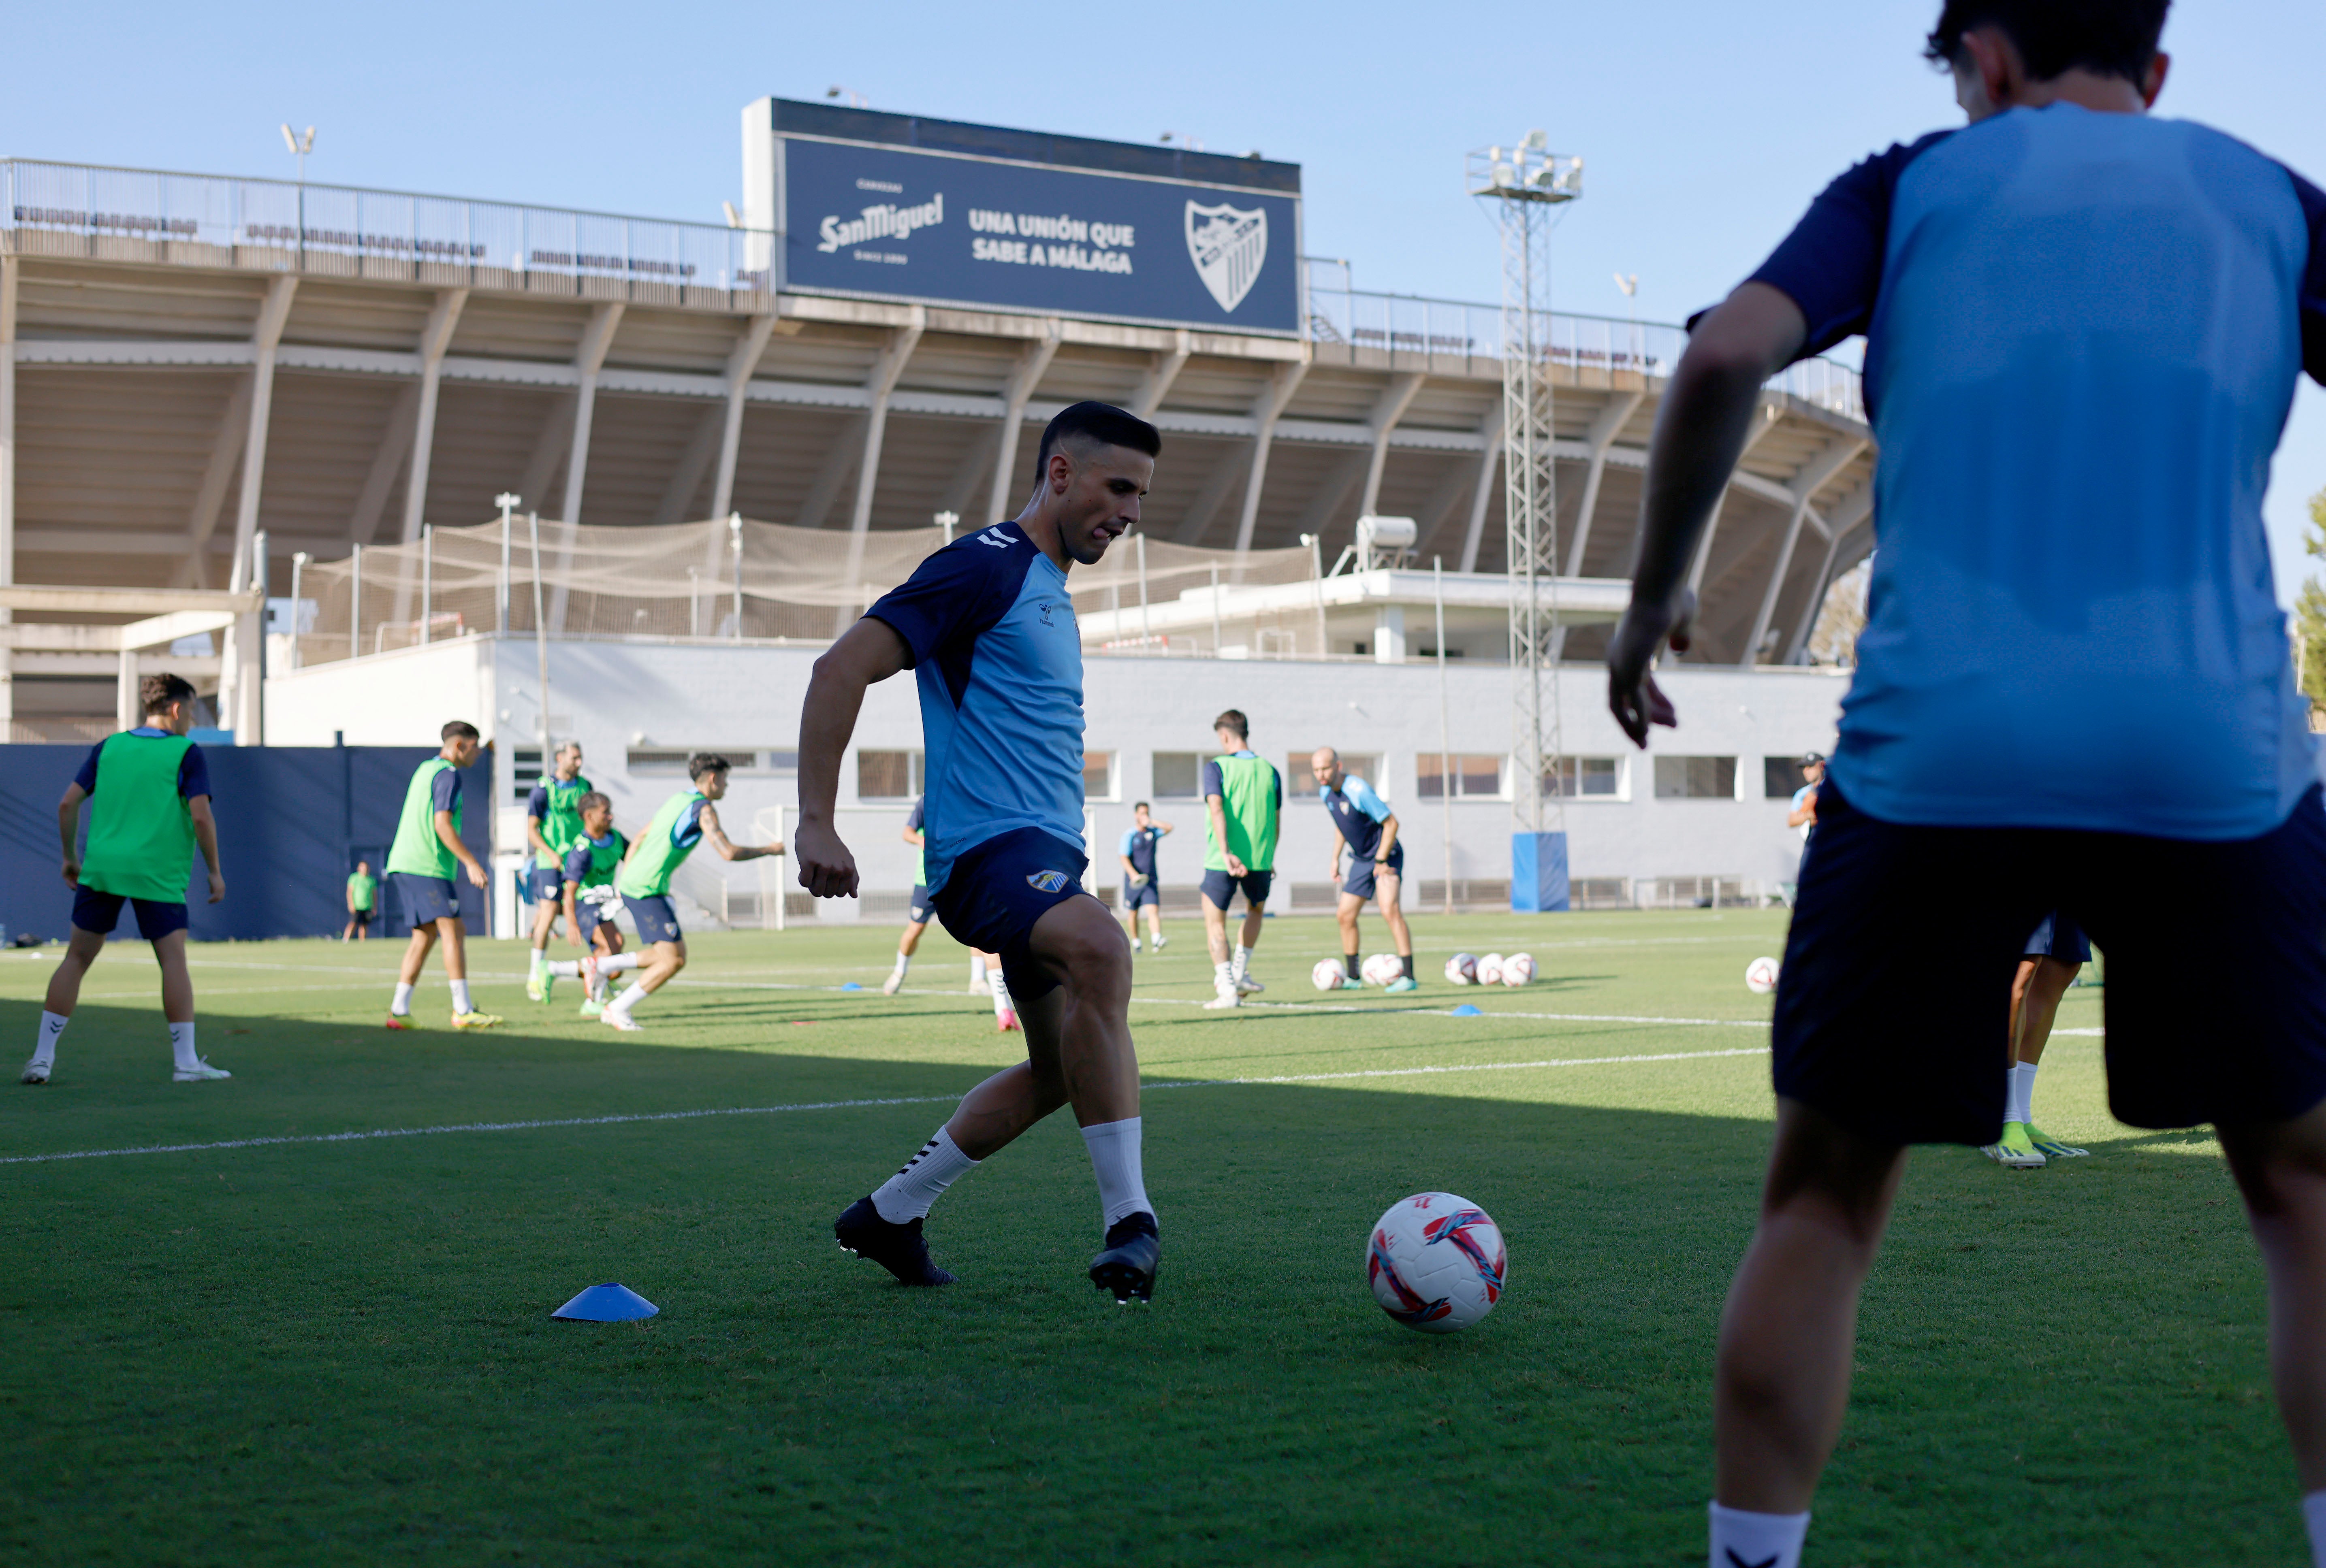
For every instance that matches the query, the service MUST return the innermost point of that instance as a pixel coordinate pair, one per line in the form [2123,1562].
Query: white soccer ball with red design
[1761,976]
[1490,970]
[1462,970]
[1436,1263]
[1326,974]
[1381,969]
[1518,968]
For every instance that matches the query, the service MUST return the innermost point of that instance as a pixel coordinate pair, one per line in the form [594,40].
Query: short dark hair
[592,801]
[1097,422]
[704,762]
[1142,806]
[2111,37]
[1233,718]
[459,729]
[155,694]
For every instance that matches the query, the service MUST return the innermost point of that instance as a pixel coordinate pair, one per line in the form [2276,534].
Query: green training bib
[141,831]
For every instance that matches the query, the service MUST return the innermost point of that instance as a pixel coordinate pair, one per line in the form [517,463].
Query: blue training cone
[851,985]
[606,1304]
[1467,1011]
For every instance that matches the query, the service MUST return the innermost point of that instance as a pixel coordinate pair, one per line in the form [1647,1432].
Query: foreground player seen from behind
[2084,328]
[987,627]
[152,811]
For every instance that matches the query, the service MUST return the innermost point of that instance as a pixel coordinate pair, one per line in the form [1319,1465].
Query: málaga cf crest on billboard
[1228,247]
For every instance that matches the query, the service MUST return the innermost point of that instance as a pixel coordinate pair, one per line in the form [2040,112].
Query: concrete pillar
[1389,635]
[877,386]
[596,340]
[435,339]
[739,366]
[1032,363]
[125,691]
[238,682]
[9,269]
[1265,413]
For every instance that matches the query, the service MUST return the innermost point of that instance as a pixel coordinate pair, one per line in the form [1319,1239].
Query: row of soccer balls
[1462,970]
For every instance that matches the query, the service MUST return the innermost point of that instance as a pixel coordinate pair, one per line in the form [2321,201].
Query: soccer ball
[1382,968]
[1326,974]
[1490,970]
[1518,968]
[1462,970]
[1761,976]
[1436,1263]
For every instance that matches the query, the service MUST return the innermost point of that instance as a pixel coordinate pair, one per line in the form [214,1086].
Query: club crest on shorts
[1228,247]
[1047,881]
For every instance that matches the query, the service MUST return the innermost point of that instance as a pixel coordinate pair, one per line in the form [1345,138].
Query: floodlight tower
[1527,184]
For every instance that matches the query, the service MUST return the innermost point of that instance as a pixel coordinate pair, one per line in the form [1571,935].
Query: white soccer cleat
[202,1071]
[1134,944]
[979,988]
[35,1072]
[621,1020]
[893,984]
[1161,943]
[1223,1001]
[1248,987]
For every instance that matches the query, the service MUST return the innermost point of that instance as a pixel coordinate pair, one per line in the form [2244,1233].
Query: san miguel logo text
[886,221]
[1228,247]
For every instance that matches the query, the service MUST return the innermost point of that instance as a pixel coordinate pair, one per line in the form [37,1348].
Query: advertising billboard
[942,226]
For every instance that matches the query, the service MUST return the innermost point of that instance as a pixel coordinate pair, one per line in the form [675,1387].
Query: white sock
[1224,979]
[1242,960]
[44,1049]
[1748,1540]
[182,1047]
[630,998]
[2021,1103]
[539,961]
[976,970]
[2313,1513]
[1114,1155]
[1134,943]
[620,963]
[461,997]
[905,1196]
[903,962]
[564,969]
[402,1006]
[1001,1001]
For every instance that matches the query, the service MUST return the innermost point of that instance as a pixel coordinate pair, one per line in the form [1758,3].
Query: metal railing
[209,220]
[1425,332]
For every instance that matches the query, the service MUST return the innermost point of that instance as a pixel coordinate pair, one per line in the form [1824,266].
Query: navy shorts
[655,916]
[918,911]
[101,912]
[1220,887]
[424,900]
[1145,893]
[1000,888]
[547,883]
[589,916]
[1893,1004]
[360,916]
[1359,881]
[2059,937]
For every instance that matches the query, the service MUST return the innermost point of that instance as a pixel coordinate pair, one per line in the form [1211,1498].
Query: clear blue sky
[1705,126]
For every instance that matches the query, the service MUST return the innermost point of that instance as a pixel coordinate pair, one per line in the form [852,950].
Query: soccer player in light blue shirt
[1362,821]
[988,628]
[2083,330]
[1140,889]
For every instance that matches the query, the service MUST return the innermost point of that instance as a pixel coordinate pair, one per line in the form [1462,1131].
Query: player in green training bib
[590,866]
[1243,796]
[363,903]
[150,790]
[421,864]
[687,819]
[552,824]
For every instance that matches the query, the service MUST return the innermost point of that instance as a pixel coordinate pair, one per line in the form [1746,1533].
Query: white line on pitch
[482,1127]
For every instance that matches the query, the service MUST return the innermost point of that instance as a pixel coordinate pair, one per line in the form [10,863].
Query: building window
[1696,778]
[524,772]
[1583,777]
[1476,776]
[1780,778]
[1098,776]
[888,776]
[1300,781]
[670,761]
[1179,774]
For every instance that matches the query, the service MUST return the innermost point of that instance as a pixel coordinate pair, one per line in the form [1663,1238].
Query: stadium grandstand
[192,363]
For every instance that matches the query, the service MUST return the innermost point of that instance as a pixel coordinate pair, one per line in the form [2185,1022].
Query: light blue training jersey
[994,645]
[2082,335]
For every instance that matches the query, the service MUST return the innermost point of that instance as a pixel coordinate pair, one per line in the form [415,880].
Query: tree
[2310,610]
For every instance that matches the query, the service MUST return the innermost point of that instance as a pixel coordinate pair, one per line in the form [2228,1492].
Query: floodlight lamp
[734,218]
[289,140]
[1535,142]
[1504,176]
[1493,154]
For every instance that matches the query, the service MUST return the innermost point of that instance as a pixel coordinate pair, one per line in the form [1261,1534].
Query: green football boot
[2045,1143]
[2016,1151]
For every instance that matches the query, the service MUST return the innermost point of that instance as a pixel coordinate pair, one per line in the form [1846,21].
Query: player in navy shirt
[2083,330]
[1140,888]
[1363,821]
[988,628]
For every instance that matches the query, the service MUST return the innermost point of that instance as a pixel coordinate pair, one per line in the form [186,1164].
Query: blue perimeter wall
[293,821]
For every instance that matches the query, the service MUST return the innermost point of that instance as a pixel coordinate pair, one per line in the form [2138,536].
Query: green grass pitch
[310,1351]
